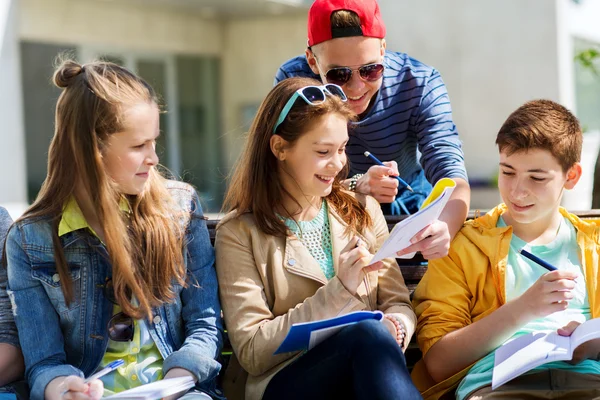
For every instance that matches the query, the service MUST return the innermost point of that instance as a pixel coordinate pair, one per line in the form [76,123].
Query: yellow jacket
[468,284]
[268,283]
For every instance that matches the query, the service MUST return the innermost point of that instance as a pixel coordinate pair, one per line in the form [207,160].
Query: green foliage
[588,58]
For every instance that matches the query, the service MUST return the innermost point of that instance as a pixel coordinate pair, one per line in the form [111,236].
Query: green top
[143,361]
[315,235]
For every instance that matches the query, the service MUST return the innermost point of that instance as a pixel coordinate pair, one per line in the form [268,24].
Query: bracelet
[400,331]
[353,182]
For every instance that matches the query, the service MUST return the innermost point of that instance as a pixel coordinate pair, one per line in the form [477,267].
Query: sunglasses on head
[368,72]
[313,95]
[120,326]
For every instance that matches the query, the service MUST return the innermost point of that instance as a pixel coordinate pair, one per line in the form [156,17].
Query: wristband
[400,331]
[353,182]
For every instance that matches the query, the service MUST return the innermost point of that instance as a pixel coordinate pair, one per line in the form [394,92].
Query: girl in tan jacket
[296,247]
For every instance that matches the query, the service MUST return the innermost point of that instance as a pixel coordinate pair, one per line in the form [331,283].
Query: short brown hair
[344,19]
[543,124]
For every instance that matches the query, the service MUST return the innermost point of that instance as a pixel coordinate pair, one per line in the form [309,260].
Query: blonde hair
[146,246]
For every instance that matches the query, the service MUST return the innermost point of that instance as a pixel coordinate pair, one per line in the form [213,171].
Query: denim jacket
[59,339]
[8,330]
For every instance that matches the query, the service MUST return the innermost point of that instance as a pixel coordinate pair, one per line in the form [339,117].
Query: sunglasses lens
[120,328]
[336,91]
[338,76]
[371,72]
[313,94]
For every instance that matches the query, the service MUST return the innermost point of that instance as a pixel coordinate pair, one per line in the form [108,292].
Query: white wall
[12,147]
[253,51]
[493,56]
[122,26]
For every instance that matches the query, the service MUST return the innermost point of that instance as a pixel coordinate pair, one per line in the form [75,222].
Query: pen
[537,260]
[372,157]
[106,370]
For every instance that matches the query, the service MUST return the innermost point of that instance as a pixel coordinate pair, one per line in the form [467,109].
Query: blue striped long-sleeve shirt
[410,121]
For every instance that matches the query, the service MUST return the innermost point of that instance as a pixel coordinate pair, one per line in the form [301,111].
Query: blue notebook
[306,335]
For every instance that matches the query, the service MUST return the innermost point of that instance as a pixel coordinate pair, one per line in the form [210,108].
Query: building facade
[212,62]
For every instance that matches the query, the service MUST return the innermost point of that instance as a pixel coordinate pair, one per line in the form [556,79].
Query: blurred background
[213,61]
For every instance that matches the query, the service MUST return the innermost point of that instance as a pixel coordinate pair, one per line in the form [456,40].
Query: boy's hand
[587,350]
[377,182]
[354,264]
[549,294]
[433,241]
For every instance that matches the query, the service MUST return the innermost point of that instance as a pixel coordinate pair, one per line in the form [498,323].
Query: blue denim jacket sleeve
[42,345]
[201,309]
[8,329]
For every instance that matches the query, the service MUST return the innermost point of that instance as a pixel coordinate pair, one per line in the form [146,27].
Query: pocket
[47,274]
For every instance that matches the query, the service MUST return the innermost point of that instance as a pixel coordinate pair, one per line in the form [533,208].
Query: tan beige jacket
[268,283]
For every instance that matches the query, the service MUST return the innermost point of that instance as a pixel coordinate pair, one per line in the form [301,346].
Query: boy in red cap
[405,118]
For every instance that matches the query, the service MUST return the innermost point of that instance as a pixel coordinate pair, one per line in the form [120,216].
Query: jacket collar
[298,260]
[494,242]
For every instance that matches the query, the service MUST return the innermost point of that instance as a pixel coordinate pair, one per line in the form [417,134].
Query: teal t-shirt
[521,273]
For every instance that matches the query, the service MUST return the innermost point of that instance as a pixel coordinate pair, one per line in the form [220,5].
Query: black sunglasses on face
[368,72]
[120,326]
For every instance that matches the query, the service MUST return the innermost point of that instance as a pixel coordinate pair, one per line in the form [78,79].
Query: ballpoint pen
[372,157]
[106,370]
[538,260]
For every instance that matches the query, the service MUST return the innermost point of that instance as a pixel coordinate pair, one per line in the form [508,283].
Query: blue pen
[538,260]
[106,370]
[372,157]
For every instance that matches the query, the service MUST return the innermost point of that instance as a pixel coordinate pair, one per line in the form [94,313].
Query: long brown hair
[255,186]
[145,247]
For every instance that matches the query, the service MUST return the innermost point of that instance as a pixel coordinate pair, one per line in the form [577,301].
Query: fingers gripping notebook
[156,390]
[430,211]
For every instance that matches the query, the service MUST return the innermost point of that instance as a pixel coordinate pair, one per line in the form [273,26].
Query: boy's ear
[312,61]
[278,147]
[383,46]
[573,175]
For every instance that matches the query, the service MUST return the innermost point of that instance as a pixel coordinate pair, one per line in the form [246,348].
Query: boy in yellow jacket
[485,292]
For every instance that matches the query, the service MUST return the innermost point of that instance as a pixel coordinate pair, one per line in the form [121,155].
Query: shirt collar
[73,219]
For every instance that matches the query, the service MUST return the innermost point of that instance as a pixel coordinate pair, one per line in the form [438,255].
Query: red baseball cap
[319,20]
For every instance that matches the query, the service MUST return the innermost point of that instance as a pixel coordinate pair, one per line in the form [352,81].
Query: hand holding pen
[549,294]
[380,182]
[75,386]
[376,160]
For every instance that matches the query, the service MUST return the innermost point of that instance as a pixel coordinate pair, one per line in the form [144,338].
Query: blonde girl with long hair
[112,261]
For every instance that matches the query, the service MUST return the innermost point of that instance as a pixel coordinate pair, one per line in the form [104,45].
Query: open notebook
[534,349]
[156,390]
[430,211]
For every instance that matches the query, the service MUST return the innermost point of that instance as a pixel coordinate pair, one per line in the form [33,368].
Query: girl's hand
[176,373]
[74,388]
[390,327]
[549,294]
[587,350]
[433,241]
[378,183]
[354,264]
